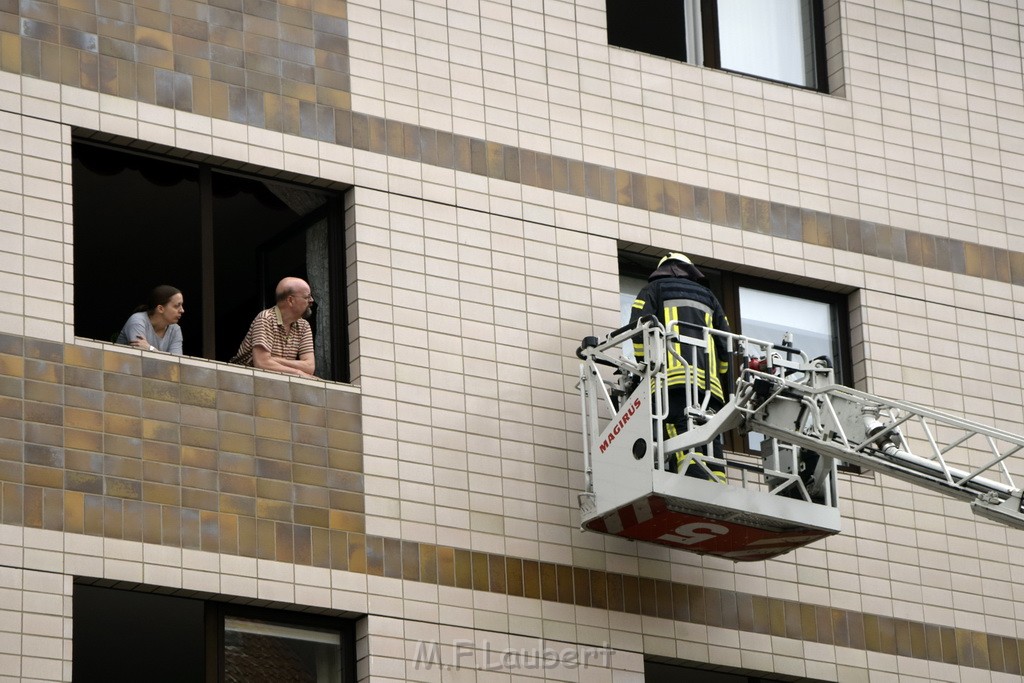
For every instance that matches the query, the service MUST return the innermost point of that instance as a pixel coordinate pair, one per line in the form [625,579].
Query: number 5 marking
[696,532]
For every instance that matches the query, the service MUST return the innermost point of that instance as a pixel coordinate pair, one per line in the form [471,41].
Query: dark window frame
[209,171]
[207,615]
[726,285]
[626,29]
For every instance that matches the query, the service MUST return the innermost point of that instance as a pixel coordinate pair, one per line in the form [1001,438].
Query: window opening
[760,308]
[781,40]
[222,237]
[116,638]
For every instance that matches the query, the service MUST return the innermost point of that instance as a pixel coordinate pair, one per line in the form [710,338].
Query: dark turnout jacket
[671,295]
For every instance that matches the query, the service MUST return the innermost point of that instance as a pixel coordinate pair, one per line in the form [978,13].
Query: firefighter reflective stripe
[638,346]
[679,368]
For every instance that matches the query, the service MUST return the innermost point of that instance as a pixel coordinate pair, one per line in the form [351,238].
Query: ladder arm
[899,439]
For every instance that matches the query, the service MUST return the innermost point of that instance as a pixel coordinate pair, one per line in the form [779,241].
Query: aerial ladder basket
[787,497]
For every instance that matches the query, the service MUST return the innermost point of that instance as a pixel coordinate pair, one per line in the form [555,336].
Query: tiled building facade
[495,159]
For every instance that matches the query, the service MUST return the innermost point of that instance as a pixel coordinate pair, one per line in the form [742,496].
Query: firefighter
[676,291]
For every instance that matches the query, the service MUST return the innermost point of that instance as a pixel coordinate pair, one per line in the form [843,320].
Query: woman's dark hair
[159,296]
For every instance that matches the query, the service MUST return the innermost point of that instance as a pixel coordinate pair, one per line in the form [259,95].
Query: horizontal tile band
[294,79]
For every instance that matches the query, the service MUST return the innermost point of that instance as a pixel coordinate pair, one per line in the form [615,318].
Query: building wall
[500,154]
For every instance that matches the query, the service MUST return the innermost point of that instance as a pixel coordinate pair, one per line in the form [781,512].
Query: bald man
[280,337]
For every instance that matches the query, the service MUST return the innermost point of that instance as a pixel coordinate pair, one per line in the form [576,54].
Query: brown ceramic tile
[544,171]
[664,599]
[548,581]
[284,542]
[268,508]
[575,177]
[133,521]
[672,193]
[716,205]
[638,181]
[302,545]
[808,226]
[496,573]
[531,579]
[122,466]
[887,635]
[747,217]
[581,586]
[793,620]
[712,599]
[510,164]
[43,413]
[231,504]
[123,425]
[630,591]
[266,539]
[248,535]
[392,558]
[1012,649]
[235,443]
[565,583]
[480,570]
[12,366]
[982,656]
[752,613]
[1016,266]
[427,563]
[855,624]
[161,473]
[905,638]
[947,635]
[871,637]
[13,504]
[869,237]
[962,644]
[837,232]
[83,482]
[598,589]
[933,642]
[93,510]
[854,236]
[320,548]
[463,568]
[74,512]
[559,174]
[487,157]
[446,566]
[46,477]
[610,590]
[113,517]
[316,497]
[32,506]
[776,615]
[820,624]
[53,510]
[655,189]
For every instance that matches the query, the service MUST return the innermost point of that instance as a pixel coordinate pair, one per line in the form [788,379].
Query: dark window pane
[136,226]
[127,636]
[657,27]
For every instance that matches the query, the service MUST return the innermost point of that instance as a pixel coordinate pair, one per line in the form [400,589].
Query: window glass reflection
[767,39]
[259,650]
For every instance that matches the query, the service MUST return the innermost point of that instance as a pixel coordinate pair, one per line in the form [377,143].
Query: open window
[221,235]
[761,308]
[780,40]
[128,635]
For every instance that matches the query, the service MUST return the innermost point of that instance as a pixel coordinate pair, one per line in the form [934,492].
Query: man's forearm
[306,366]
